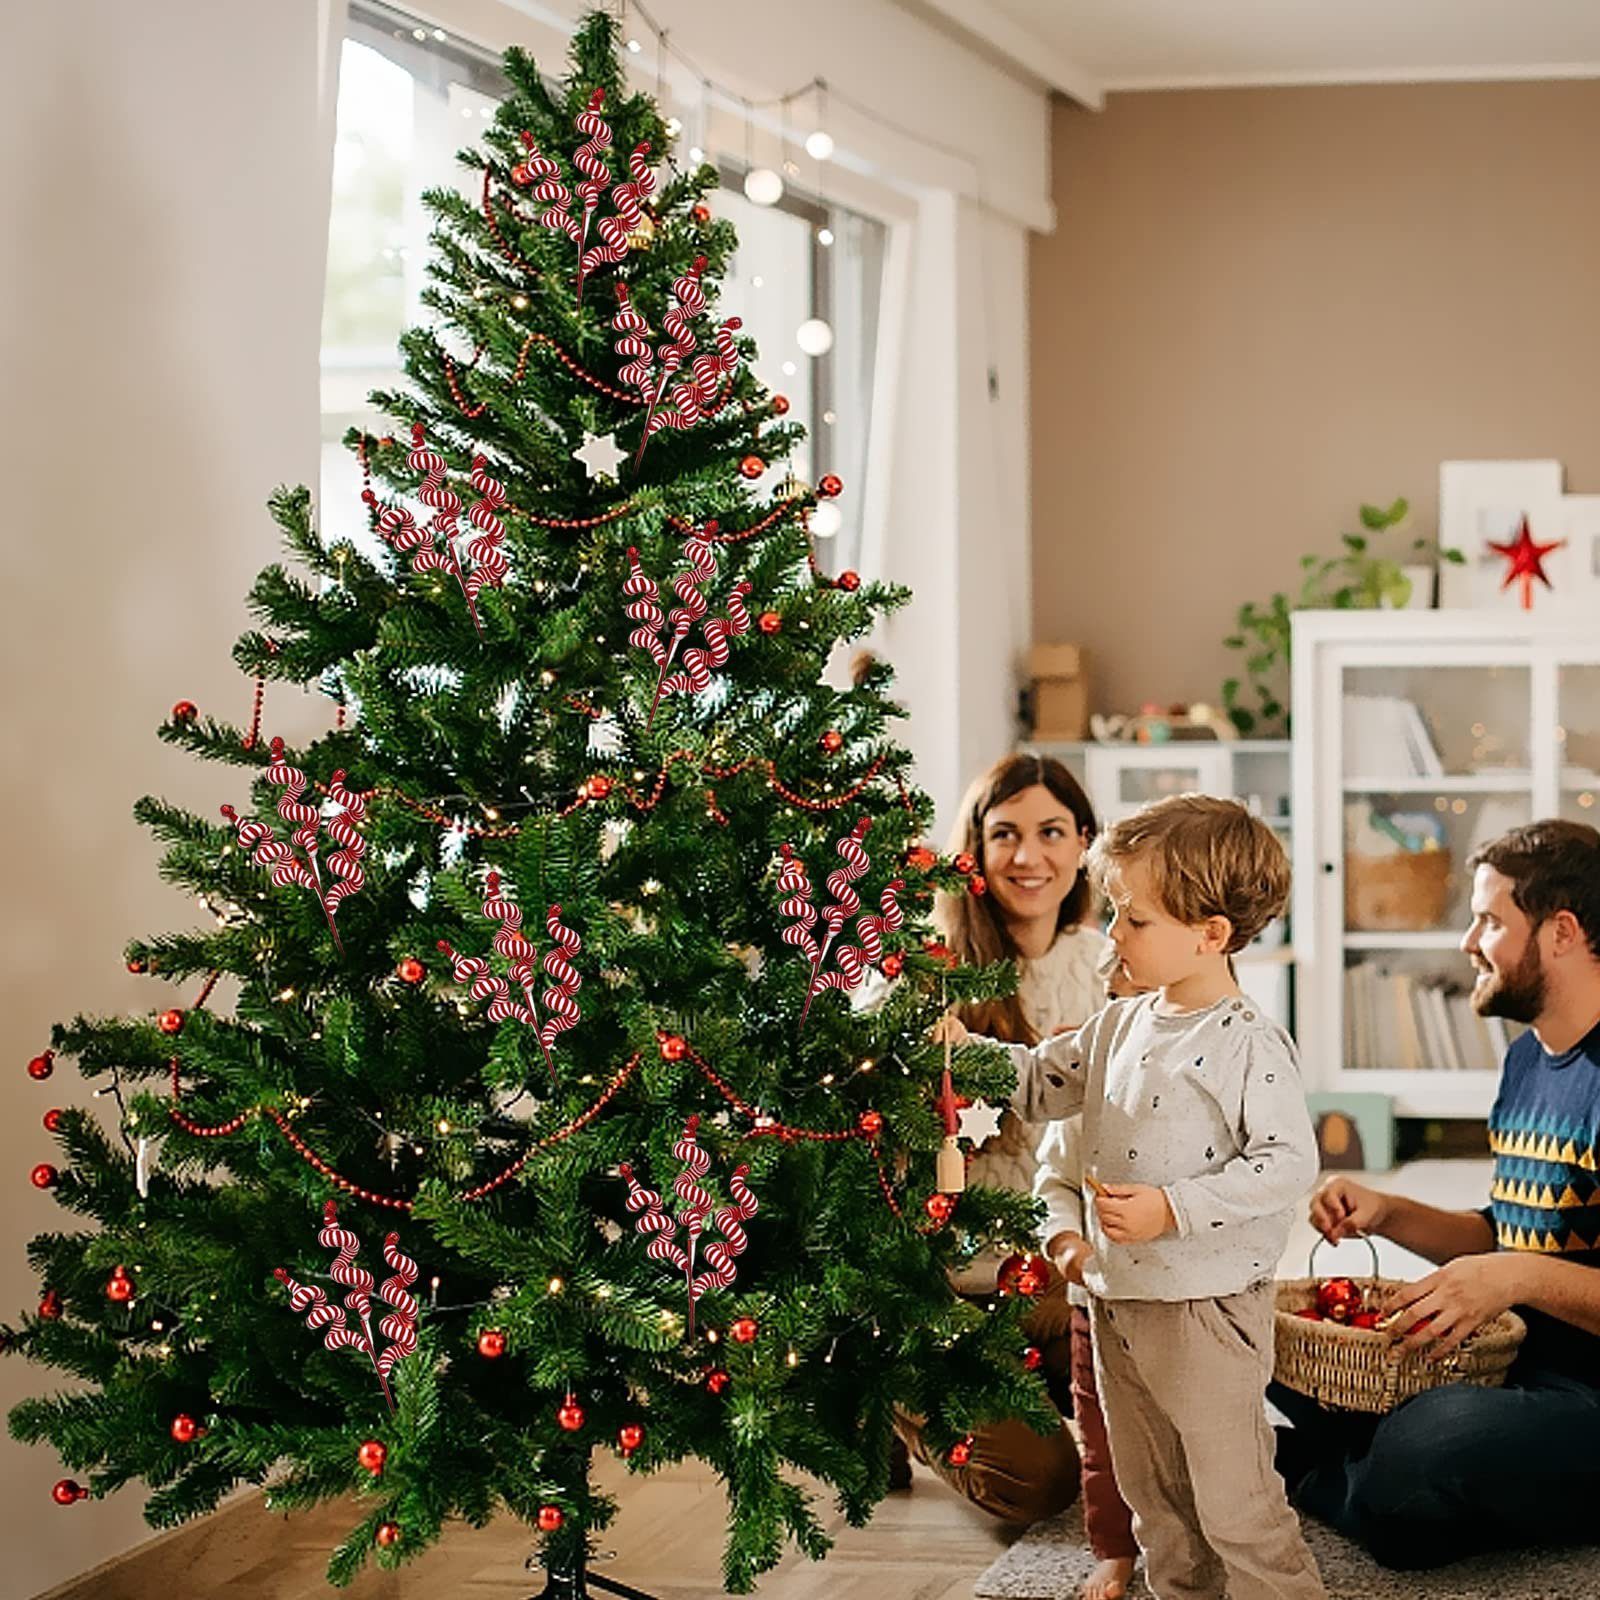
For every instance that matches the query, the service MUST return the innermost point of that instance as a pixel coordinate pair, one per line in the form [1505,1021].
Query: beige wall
[1261,307]
[160,294]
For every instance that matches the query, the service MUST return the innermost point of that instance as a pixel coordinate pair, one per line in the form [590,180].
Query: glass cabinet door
[1578,733]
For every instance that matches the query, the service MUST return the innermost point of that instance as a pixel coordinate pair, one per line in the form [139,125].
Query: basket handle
[1366,1239]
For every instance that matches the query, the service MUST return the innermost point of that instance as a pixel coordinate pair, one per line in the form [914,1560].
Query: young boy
[1197,1147]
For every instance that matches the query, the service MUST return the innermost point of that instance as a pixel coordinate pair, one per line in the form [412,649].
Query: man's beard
[1517,995]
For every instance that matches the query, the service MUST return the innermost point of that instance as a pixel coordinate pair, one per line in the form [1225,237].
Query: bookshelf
[1418,736]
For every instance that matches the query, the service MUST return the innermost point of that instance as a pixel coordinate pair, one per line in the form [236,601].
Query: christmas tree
[543,1115]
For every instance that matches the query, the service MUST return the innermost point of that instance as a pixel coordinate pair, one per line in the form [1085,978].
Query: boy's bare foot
[1108,1581]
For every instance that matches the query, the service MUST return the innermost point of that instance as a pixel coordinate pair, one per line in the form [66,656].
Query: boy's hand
[1069,1251]
[949,1029]
[1133,1213]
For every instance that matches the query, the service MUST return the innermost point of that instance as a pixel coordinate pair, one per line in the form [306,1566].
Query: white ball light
[825,519]
[819,145]
[814,337]
[763,186]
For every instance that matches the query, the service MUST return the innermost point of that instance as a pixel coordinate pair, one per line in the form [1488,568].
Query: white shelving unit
[1119,778]
[1510,708]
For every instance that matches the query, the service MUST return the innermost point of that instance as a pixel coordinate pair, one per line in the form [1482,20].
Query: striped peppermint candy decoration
[320,1315]
[399,1324]
[795,887]
[695,1199]
[627,198]
[344,1269]
[489,564]
[699,664]
[345,862]
[560,1003]
[486,985]
[508,940]
[267,850]
[550,191]
[633,341]
[653,1222]
[729,1221]
[589,159]
[303,818]
[644,608]
[841,881]
[855,960]
[445,504]
[702,395]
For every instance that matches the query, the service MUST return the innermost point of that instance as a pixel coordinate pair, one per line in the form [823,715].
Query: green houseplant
[1367,573]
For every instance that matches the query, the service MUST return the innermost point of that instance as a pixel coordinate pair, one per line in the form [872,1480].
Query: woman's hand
[949,1029]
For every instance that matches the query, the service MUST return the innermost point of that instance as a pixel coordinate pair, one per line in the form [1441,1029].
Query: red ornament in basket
[1340,1299]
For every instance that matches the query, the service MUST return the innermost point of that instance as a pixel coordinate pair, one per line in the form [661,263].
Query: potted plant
[1366,574]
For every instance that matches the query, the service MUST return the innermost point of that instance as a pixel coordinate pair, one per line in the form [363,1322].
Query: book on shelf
[1414,1022]
[1385,736]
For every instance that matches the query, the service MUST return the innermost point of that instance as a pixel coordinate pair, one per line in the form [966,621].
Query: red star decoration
[1526,557]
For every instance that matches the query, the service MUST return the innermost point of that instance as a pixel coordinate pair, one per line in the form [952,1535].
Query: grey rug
[1052,1558]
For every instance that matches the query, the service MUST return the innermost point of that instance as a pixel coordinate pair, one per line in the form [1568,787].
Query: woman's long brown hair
[972,925]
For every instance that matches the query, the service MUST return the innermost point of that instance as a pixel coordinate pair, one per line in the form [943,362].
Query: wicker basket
[1403,893]
[1363,1369]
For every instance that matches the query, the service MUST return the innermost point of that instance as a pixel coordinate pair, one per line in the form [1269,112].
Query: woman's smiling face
[1033,849]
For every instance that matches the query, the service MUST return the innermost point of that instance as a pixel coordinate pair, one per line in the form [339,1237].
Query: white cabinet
[1418,736]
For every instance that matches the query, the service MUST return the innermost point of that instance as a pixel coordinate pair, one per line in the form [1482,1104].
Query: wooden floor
[925,1544]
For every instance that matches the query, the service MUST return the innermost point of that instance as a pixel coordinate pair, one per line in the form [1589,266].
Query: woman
[1028,824]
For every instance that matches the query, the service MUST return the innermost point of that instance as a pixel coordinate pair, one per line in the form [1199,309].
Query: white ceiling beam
[985,25]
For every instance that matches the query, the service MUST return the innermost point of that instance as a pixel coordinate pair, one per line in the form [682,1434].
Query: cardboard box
[1059,685]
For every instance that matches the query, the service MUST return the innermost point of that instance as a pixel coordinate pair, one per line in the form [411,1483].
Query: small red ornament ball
[1311,1314]
[893,965]
[410,970]
[184,1428]
[829,486]
[769,622]
[701,213]
[940,1207]
[372,1455]
[1366,1319]
[185,711]
[717,1380]
[832,741]
[1338,1299]
[598,787]
[870,1122]
[977,884]
[68,1491]
[960,1452]
[849,581]
[52,1120]
[921,858]
[551,1518]
[491,1344]
[1034,1278]
[1032,1358]
[752,467]
[388,1534]
[629,1437]
[743,1330]
[570,1416]
[136,966]
[780,405]
[119,1286]
[170,1021]
[42,1065]
[673,1047]
[965,862]
[521,176]
[43,1176]
[50,1306]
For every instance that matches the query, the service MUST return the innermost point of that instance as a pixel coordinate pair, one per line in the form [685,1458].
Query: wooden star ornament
[1525,561]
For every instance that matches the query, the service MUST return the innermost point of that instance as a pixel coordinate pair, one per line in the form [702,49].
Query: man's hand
[1133,1213]
[1437,1312]
[1345,1209]
[1069,1251]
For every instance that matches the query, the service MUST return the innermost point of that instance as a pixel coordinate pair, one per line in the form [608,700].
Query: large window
[410,96]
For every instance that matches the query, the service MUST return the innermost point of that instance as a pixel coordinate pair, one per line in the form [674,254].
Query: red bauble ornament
[570,1416]
[743,1330]
[1366,1319]
[921,858]
[832,741]
[960,1452]
[629,1437]
[717,1380]
[521,176]
[43,1176]
[1338,1299]
[1311,1314]
[965,862]
[870,1123]
[184,1428]
[769,622]
[50,1306]
[136,966]
[1032,1359]
[701,213]
[673,1047]
[42,1065]
[829,486]
[1525,561]
[68,1491]
[52,1119]
[551,1518]
[410,970]
[598,787]
[752,467]
[940,951]
[850,581]
[388,1534]
[939,1207]
[1034,1278]
[893,965]
[977,884]
[372,1455]
[185,711]
[170,1021]
[1013,1270]
[491,1344]
[780,405]
[119,1286]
